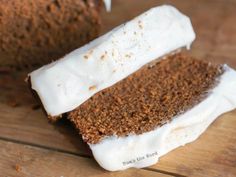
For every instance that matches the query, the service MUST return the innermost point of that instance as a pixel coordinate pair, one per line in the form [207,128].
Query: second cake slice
[158,108]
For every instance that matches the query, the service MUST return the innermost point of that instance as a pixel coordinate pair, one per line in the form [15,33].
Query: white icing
[115,153]
[64,85]
[107,5]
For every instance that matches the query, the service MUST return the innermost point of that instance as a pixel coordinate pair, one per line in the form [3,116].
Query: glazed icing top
[66,83]
[107,5]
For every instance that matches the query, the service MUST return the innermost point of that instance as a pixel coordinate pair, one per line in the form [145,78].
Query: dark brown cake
[147,99]
[35,32]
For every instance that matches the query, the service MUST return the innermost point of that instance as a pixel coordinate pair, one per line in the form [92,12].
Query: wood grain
[20,160]
[213,154]
[24,124]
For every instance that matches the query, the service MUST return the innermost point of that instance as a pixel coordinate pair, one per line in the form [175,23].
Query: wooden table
[30,146]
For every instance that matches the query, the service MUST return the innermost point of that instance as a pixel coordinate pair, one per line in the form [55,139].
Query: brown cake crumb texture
[35,32]
[18,168]
[147,99]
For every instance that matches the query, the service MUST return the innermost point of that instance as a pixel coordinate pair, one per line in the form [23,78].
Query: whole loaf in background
[36,32]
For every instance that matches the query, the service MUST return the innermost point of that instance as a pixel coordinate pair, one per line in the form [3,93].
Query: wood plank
[20,160]
[31,126]
[214,153]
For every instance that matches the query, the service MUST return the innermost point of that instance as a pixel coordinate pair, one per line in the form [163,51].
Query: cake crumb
[140,24]
[93,87]
[13,103]
[18,168]
[86,57]
[102,57]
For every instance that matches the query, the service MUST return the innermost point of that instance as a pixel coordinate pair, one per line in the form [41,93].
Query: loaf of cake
[132,94]
[36,32]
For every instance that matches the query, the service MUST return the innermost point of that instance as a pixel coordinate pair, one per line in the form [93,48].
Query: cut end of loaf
[147,99]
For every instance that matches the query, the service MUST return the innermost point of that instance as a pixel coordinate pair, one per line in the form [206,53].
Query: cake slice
[131,95]
[155,110]
[65,84]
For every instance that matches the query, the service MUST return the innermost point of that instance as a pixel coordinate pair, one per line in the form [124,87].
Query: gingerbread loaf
[131,95]
[37,32]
